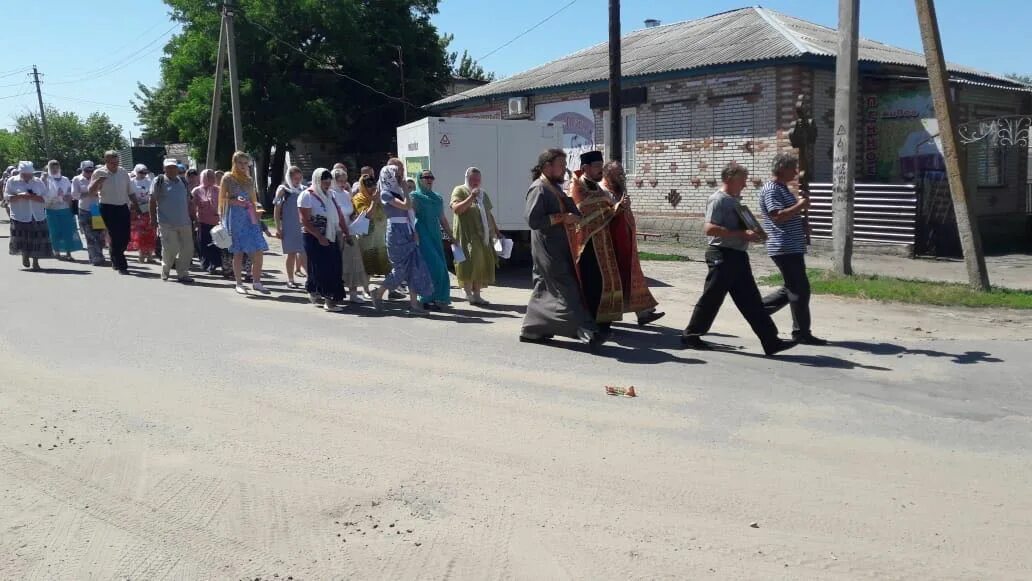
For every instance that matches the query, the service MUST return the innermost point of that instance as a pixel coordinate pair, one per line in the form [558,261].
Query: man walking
[111,183]
[170,210]
[787,246]
[729,269]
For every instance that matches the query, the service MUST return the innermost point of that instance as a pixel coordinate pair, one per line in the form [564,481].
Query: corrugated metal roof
[739,36]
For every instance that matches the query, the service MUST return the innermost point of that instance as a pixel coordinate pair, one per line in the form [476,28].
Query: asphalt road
[153,430]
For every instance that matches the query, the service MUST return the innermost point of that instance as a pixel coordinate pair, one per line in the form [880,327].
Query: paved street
[152,430]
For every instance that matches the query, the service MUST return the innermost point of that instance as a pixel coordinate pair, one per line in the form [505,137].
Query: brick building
[702,93]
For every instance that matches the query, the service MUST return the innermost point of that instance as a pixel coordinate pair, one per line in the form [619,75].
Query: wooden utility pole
[234,83]
[945,113]
[847,91]
[42,112]
[614,148]
[216,100]
[401,69]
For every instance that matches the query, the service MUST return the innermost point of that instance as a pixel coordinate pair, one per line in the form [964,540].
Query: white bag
[360,227]
[503,247]
[221,237]
[457,253]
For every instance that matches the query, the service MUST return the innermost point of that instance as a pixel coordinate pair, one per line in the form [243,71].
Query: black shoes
[530,338]
[695,342]
[593,339]
[777,347]
[650,317]
[808,339]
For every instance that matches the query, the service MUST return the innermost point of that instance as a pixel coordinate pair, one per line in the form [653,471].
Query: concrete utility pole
[847,91]
[234,83]
[42,112]
[216,100]
[614,148]
[945,113]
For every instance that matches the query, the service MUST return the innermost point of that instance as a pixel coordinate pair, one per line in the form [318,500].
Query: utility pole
[216,100]
[945,114]
[42,112]
[614,149]
[847,91]
[234,83]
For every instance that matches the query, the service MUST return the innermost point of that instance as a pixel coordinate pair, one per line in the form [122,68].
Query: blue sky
[124,39]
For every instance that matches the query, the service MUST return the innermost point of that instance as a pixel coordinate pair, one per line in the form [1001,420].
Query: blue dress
[247,236]
[429,207]
[292,239]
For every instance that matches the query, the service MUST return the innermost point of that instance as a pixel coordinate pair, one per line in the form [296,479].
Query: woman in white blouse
[352,267]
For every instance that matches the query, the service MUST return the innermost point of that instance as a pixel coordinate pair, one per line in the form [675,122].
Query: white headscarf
[480,205]
[332,219]
[389,181]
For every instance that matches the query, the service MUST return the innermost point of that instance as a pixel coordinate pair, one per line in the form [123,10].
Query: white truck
[504,151]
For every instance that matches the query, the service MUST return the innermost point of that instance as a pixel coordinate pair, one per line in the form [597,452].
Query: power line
[332,68]
[529,30]
[14,72]
[53,96]
[121,63]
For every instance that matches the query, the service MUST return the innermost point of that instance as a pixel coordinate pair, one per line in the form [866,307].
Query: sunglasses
[428,178]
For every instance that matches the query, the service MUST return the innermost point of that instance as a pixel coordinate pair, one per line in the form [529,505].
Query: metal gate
[882,213]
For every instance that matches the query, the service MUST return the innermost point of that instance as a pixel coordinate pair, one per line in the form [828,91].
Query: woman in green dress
[430,222]
[474,229]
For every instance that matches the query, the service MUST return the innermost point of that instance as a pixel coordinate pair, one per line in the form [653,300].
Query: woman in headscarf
[407,264]
[238,205]
[60,220]
[474,228]
[353,272]
[430,222]
[25,195]
[288,223]
[143,236]
[206,208]
[373,244]
[323,225]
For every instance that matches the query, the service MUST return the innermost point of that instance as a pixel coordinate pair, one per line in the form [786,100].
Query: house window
[630,137]
[992,164]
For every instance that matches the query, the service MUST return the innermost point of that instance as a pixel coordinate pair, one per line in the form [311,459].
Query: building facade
[683,125]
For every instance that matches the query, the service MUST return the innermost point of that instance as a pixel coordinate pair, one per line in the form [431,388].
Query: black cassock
[556,305]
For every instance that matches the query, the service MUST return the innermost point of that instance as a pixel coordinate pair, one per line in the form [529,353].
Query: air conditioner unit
[518,107]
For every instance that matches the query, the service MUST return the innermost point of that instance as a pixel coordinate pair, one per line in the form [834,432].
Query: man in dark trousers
[784,224]
[729,270]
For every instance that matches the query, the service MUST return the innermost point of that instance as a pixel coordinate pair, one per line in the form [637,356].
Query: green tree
[72,138]
[287,95]
[1026,79]
[463,65]
[12,148]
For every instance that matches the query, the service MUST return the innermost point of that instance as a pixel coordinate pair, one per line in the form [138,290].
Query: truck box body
[504,151]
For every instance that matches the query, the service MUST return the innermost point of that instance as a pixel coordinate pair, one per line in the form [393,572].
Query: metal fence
[882,213]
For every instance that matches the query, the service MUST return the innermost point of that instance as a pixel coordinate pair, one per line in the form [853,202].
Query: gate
[882,213]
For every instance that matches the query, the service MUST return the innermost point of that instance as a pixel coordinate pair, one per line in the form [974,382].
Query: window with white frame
[630,136]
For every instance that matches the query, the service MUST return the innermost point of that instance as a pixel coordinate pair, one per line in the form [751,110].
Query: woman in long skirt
[143,236]
[206,206]
[321,220]
[430,222]
[288,224]
[407,264]
[353,271]
[88,205]
[60,219]
[373,243]
[30,237]
[238,203]
[474,229]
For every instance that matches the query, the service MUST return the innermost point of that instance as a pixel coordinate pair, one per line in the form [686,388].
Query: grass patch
[662,257]
[900,290]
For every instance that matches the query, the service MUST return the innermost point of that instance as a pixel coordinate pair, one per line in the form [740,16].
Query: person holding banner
[430,222]
[89,213]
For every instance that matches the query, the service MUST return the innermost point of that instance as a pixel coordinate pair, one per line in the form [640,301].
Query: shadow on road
[966,358]
[820,361]
[45,270]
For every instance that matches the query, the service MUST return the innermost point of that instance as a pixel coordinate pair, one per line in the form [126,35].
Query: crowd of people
[335,235]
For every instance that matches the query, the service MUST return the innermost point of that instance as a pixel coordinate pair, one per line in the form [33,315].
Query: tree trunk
[261,168]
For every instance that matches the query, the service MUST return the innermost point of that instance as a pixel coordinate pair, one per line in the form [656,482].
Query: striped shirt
[788,237]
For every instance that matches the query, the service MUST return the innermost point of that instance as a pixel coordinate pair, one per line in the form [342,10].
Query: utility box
[504,151]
